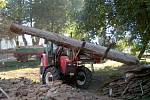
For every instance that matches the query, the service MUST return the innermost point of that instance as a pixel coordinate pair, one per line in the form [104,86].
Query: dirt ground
[25,89]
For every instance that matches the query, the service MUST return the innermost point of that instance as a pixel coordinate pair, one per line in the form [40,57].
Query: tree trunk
[144,15]
[72,43]
[24,40]
[33,40]
[143,49]
[37,39]
[0,44]
[17,42]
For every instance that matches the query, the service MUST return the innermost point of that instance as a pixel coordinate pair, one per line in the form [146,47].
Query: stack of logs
[134,85]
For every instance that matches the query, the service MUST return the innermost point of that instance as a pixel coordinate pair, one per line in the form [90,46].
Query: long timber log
[73,43]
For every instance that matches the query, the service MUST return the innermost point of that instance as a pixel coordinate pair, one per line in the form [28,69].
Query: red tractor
[62,62]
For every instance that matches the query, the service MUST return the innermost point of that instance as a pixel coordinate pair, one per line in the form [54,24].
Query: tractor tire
[51,74]
[83,78]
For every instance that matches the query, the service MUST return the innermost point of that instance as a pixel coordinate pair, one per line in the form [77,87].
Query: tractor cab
[64,61]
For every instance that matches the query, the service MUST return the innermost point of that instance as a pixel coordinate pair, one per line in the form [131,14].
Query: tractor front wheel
[51,74]
[84,77]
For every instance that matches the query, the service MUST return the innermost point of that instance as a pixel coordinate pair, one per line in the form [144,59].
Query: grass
[15,69]
[104,71]
[14,65]
[112,64]
[145,61]
[144,98]
[30,70]
[107,70]
[111,68]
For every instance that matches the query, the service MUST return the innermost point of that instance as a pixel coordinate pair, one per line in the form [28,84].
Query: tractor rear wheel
[84,77]
[51,74]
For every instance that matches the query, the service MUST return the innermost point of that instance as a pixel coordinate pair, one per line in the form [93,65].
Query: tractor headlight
[74,64]
[69,64]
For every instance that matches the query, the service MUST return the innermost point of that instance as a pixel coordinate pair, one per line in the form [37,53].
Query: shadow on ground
[101,76]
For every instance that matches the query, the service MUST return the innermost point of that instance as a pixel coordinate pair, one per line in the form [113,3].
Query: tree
[2,3]
[93,20]
[73,9]
[4,24]
[134,16]
[15,11]
[55,15]
[52,16]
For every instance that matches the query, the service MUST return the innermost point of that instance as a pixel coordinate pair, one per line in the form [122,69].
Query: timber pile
[72,43]
[135,84]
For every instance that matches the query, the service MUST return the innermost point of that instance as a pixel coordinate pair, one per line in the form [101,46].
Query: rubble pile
[134,85]
[25,89]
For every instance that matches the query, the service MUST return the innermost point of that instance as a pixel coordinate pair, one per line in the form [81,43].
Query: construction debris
[134,85]
[72,43]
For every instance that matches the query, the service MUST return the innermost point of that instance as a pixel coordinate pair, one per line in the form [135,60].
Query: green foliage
[92,18]
[52,16]
[74,7]
[15,10]
[133,16]
[121,44]
[86,18]
[2,3]
[131,20]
